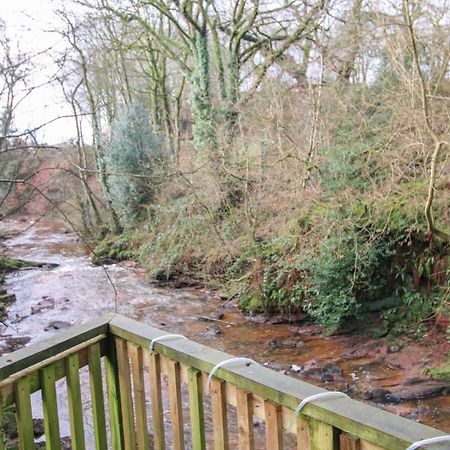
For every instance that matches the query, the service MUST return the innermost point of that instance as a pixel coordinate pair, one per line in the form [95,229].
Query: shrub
[134,156]
[349,271]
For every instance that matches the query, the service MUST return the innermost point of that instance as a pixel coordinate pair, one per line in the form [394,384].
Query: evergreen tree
[134,156]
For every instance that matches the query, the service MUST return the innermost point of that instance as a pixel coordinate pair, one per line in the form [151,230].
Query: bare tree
[14,72]
[438,138]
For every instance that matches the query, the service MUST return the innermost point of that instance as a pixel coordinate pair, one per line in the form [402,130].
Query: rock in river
[57,325]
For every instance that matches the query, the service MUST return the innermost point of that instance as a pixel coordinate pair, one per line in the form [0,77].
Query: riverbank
[387,373]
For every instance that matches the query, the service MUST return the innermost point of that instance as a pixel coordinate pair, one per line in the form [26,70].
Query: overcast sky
[29,22]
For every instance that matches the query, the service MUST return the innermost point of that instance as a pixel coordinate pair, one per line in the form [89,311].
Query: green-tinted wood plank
[219,414]
[50,408]
[244,409]
[57,361]
[2,436]
[322,436]
[126,401]
[348,442]
[302,432]
[196,409]
[176,405]
[74,400]
[154,365]
[60,342]
[97,399]
[113,392]
[364,445]
[361,420]
[24,414]
[274,426]
[137,371]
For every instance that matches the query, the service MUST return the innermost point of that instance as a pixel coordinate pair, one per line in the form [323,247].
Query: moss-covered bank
[334,262]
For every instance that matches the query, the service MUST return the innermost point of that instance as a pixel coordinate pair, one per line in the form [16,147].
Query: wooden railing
[157,399]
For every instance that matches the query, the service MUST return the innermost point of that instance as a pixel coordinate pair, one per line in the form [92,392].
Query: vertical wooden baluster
[196,409]
[50,408]
[219,414]
[348,442]
[72,368]
[24,414]
[113,390]
[154,365]
[97,399]
[322,436]
[274,426]
[366,445]
[176,407]
[303,437]
[244,403]
[126,401]
[2,436]
[137,371]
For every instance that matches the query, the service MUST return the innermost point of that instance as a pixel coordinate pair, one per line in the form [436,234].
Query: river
[76,291]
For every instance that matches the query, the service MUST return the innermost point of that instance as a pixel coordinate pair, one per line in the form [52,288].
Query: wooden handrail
[40,351]
[371,424]
[118,348]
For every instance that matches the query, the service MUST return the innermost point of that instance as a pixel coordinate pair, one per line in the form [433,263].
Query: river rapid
[75,291]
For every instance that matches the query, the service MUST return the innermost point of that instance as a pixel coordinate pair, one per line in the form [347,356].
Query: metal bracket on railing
[312,398]
[435,440]
[224,363]
[165,337]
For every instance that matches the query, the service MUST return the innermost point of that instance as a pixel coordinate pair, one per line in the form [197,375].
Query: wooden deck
[116,348]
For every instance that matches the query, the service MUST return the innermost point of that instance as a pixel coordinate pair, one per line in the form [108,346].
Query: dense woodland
[292,154]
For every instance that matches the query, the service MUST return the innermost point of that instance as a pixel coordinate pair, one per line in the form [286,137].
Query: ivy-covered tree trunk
[99,154]
[233,92]
[201,102]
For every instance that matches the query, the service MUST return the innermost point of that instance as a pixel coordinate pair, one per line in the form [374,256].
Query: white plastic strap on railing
[165,337]
[312,398]
[435,440]
[225,363]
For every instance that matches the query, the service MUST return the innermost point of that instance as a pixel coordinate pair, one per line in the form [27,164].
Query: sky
[28,22]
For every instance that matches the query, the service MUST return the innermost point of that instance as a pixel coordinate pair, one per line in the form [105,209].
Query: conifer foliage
[134,159]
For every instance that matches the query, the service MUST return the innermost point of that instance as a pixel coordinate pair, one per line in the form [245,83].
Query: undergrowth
[335,264]
[342,240]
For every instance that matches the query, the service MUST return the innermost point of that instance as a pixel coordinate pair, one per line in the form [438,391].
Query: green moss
[112,248]
[439,373]
[10,264]
[251,302]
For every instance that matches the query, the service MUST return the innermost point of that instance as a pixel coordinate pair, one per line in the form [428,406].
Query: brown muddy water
[77,291]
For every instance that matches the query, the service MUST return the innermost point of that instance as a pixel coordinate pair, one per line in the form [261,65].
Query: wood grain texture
[154,365]
[97,398]
[2,431]
[348,442]
[24,414]
[50,408]
[137,372]
[196,409]
[54,346]
[176,405]
[322,436]
[361,420]
[126,400]
[219,414]
[274,426]
[245,420]
[74,402]
[113,393]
